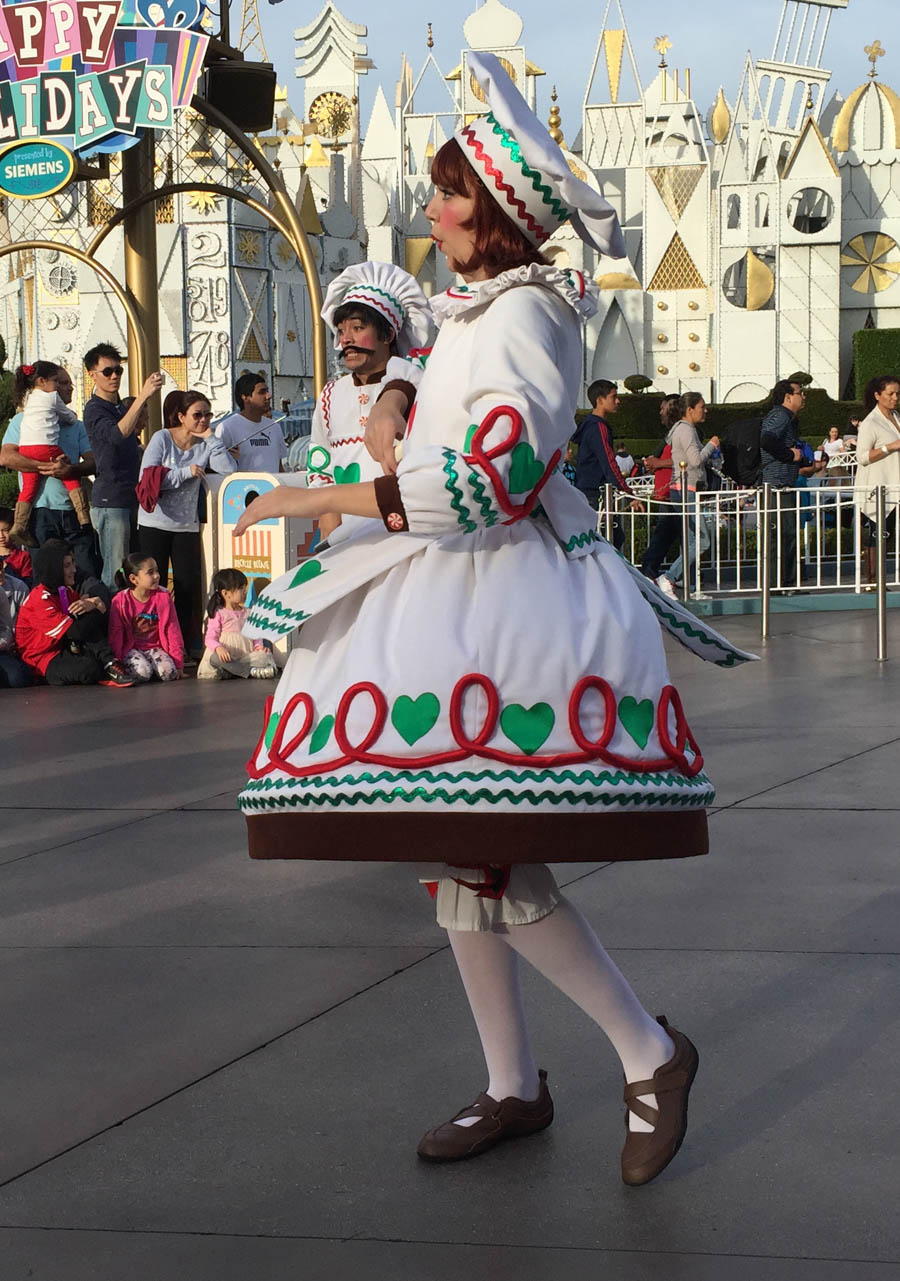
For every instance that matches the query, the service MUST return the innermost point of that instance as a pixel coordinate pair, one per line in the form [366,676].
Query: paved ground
[213,1070]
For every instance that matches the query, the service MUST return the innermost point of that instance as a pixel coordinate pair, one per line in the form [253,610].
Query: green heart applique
[527,727]
[348,475]
[637,718]
[271,727]
[525,470]
[321,735]
[470,436]
[309,569]
[412,718]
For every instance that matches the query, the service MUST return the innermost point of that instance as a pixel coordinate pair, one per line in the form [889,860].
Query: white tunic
[337,454]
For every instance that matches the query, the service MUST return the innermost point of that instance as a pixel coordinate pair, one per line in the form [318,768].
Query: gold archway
[181,188]
[135,332]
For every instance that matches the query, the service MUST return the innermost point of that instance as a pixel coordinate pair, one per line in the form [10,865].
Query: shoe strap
[483,1106]
[638,1106]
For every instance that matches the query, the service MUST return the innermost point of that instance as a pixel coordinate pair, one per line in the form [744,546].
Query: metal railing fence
[816,539]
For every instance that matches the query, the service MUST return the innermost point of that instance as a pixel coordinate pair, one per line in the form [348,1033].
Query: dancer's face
[363,352]
[447,211]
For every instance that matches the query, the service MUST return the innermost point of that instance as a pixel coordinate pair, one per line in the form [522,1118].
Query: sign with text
[84,70]
[29,170]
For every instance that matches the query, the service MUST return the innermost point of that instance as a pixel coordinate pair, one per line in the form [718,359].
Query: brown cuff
[390,504]
[400,384]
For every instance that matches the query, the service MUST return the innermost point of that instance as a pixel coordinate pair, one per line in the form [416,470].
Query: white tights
[564,948]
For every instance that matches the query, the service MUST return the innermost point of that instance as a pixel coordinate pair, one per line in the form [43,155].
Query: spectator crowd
[84,593]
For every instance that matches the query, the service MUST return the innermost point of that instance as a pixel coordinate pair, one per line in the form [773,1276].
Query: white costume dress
[337,454]
[486,681]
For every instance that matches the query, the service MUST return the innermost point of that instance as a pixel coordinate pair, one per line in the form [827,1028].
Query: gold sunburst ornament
[205,202]
[876,258]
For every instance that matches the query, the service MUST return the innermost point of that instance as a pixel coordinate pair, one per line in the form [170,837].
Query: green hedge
[875,352]
[9,487]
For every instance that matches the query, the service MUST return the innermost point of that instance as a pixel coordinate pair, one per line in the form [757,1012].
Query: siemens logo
[36,169]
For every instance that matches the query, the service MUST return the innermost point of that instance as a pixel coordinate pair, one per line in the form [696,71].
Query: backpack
[662,477]
[740,451]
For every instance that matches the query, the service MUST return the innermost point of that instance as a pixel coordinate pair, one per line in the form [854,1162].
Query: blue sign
[29,170]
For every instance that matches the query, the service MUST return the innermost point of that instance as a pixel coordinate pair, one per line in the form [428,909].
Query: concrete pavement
[212,1069]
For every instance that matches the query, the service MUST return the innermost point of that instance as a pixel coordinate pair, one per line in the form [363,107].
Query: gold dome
[890,105]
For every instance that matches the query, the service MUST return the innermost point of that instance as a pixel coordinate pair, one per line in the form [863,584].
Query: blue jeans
[46,523]
[117,530]
[13,672]
[677,568]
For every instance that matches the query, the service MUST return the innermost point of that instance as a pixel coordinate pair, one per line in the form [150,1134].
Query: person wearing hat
[378,315]
[482,679]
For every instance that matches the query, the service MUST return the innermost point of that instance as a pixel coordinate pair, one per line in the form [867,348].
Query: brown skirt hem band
[478,839]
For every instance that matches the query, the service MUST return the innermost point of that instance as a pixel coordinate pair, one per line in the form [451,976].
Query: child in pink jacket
[143,626]
[227,652]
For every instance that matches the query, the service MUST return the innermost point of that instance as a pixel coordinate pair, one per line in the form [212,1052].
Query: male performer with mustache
[378,315]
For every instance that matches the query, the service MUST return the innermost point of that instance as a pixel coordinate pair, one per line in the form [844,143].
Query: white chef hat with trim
[391,292]
[525,170]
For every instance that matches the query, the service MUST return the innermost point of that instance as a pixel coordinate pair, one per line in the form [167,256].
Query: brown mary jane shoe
[507,1119]
[645,1155]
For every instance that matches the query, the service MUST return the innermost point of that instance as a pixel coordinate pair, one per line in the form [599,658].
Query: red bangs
[499,244]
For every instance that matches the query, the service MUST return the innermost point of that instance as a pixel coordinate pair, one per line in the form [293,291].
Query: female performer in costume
[480,679]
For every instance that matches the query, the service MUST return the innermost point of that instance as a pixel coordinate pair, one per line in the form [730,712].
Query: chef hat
[392,293]
[526,172]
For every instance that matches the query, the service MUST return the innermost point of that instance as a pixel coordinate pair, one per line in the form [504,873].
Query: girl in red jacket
[143,625]
[60,634]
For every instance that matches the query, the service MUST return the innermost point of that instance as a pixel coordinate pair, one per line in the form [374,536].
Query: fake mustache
[363,351]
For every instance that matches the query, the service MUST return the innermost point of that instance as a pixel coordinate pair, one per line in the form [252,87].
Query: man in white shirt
[252,437]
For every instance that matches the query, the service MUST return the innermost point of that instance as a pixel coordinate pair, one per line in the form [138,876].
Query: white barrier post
[880,577]
[685,533]
[765,544]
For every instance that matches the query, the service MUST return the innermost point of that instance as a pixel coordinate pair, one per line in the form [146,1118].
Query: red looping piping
[278,753]
[490,721]
[610,713]
[483,458]
[374,732]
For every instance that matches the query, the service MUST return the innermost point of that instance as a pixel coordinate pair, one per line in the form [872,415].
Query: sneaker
[264,673]
[116,676]
[666,587]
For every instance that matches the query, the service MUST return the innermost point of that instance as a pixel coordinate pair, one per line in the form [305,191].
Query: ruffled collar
[570,285]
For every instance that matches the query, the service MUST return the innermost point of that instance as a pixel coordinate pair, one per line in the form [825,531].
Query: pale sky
[561,36]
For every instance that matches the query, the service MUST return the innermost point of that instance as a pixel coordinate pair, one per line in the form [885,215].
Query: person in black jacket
[781,456]
[596,465]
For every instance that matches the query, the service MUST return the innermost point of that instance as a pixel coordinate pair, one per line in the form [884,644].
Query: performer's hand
[223,654]
[385,427]
[328,524]
[283,500]
[636,505]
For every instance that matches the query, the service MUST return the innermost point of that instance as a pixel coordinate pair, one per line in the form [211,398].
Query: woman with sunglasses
[169,491]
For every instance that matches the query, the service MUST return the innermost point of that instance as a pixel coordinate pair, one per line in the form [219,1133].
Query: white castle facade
[762,230]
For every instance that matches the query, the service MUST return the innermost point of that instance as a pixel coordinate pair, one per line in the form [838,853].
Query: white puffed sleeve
[519,394]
